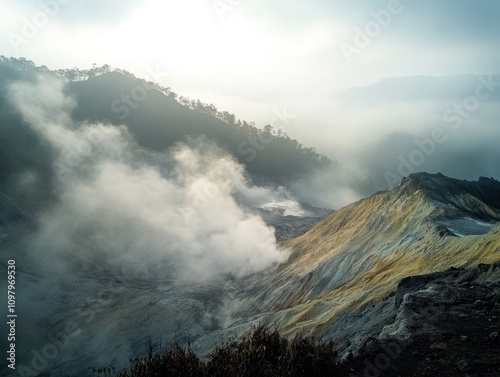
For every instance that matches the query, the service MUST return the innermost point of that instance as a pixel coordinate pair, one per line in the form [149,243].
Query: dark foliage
[262,353]
[177,362]
[158,118]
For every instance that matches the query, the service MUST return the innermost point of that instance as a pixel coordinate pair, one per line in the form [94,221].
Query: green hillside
[159,118]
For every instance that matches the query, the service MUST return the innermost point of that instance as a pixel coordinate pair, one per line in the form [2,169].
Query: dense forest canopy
[158,118]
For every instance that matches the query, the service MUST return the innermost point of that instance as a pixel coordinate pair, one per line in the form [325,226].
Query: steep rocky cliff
[348,263]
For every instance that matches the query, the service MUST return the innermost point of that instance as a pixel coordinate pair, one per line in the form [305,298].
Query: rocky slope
[347,278]
[357,256]
[289,220]
[441,324]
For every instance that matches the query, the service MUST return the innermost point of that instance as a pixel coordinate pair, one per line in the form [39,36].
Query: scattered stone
[439,346]
[464,366]
[493,337]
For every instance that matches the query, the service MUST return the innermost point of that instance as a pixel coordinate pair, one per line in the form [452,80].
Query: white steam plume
[122,204]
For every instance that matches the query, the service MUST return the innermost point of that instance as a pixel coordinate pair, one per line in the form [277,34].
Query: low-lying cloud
[121,205]
[385,129]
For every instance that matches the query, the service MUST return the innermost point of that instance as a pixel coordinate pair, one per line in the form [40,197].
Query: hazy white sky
[258,51]
[253,57]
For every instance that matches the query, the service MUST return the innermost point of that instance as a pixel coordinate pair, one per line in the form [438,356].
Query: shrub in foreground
[262,353]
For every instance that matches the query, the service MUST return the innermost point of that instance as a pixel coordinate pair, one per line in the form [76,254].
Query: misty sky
[254,58]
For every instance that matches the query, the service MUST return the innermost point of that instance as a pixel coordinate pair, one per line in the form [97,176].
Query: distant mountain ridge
[415,88]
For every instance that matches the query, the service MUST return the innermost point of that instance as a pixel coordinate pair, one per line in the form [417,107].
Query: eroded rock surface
[444,324]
